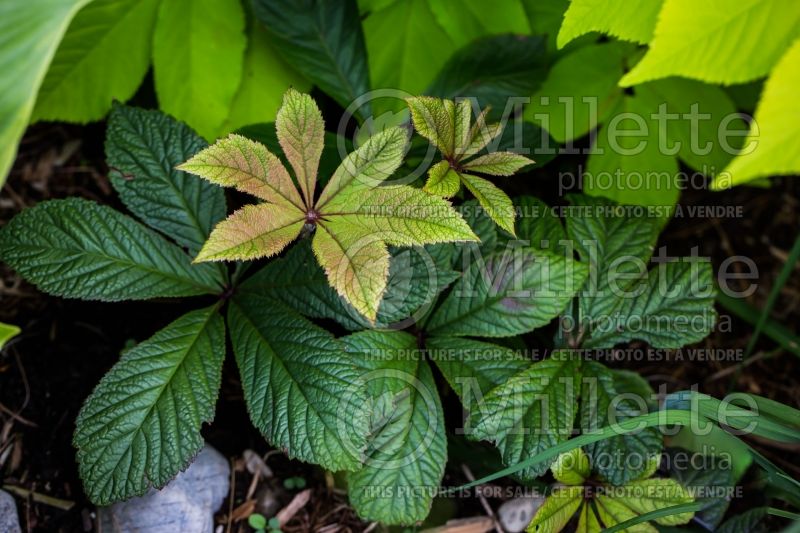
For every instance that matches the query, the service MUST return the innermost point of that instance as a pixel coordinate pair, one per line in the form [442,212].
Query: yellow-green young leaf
[103,57]
[498,163]
[462,115]
[433,121]
[652,494]
[480,135]
[572,467]
[442,180]
[400,215]
[7,332]
[265,77]
[29,34]
[703,40]
[777,148]
[497,204]
[587,520]
[356,263]
[629,21]
[613,511]
[557,510]
[368,166]
[239,162]
[198,53]
[301,133]
[251,232]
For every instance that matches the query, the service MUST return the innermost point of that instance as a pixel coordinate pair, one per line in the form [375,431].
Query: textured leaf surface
[557,510]
[587,520]
[716,475]
[621,458]
[29,35]
[612,512]
[630,21]
[143,148]
[779,140]
[652,494]
[434,121]
[589,72]
[252,232]
[530,412]
[323,40]
[707,41]
[198,59]
[239,162]
[508,294]
[496,203]
[443,180]
[103,57]
[538,224]
[141,425]
[408,448]
[301,390]
[571,468]
[301,133]
[76,248]
[498,163]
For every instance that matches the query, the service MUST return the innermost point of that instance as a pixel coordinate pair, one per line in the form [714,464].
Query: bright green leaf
[557,510]
[408,447]
[293,371]
[496,203]
[612,512]
[141,425]
[29,35]
[652,494]
[301,133]
[443,180]
[75,248]
[571,468]
[498,163]
[777,138]
[704,41]
[143,149]
[197,60]
[7,332]
[629,21]
[588,521]
[472,20]
[104,56]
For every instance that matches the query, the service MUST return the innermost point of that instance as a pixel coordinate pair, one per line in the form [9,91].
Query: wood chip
[298,502]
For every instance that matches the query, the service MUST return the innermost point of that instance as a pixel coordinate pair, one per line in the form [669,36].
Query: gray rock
[516,514]
[9,521]
[187,503]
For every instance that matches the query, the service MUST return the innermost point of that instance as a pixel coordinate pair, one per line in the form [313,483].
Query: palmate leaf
[557,510]
[356,215]
[143,147]
[141,425]
[408,448]
[301,392]
[446,124]
[75,248]
[571,468]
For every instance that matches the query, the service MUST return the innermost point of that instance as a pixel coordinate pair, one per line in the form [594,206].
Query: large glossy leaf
[323,40]
[142,149]
[141,425]
[198,54]
[777,137]
[76,248]
[103,57]
[631,21]
[703,41]
[606,400]
[530,412]
[29,35]
[301,390]
[509,293]
[405,459]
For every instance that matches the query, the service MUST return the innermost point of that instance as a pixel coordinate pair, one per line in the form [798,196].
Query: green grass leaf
[704,41]
[75,248]
[29,35]
[530,412]
[508,293]
[141,425]
[198,59]
[408,446]
[103,57]
[777,138]
[143,149]
[293,371]
[629,21]
[323,41]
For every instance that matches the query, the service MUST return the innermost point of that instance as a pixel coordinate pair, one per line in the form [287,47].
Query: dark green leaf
[141,425]
[704,474]
[76,248]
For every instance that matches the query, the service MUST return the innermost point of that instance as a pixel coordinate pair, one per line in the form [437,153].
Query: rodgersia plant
[372,254]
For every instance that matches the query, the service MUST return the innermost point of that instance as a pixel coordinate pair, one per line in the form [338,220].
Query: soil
[67,345]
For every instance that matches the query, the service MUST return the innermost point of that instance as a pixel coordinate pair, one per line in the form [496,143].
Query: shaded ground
[67,345]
